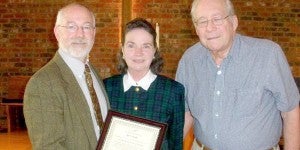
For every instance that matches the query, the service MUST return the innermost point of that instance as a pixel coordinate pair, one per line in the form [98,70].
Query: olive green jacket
[56,112]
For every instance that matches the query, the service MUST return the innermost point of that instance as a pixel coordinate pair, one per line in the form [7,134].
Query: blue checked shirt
[238,105]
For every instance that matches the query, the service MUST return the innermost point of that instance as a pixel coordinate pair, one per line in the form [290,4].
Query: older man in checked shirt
[240,92]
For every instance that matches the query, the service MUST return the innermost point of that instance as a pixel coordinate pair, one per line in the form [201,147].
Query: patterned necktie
[96,106]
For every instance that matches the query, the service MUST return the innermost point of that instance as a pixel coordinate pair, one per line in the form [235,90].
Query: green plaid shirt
[162,102]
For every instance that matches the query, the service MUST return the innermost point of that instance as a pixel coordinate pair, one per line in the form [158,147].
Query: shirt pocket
[246,102]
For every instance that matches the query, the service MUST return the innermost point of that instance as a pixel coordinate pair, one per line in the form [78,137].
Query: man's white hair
[60,15]
[228,5]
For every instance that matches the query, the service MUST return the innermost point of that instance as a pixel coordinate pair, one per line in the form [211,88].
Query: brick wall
[27,41]
[277,20]
[176,28]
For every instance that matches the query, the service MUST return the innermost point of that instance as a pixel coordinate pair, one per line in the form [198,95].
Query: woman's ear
[122,51]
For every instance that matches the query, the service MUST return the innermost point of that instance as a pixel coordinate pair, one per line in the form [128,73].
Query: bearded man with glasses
[240,93]
[59,107]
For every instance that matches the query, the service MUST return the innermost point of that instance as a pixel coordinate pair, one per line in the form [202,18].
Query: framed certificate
[122,131]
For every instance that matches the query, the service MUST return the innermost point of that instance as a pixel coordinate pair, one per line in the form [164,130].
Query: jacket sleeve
[43,112]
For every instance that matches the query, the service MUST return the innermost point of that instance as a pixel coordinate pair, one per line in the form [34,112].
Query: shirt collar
[74,64]
[234,52]
[145,82]
[236,49]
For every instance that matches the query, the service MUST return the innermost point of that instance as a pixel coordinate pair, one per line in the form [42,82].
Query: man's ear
[235,22]
[56,33]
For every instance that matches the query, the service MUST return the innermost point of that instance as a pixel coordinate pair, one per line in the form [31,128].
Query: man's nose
[80,32]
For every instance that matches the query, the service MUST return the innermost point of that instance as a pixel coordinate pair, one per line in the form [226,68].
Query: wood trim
[126,15]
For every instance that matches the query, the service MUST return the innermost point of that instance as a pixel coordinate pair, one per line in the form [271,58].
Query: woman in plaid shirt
[140,91]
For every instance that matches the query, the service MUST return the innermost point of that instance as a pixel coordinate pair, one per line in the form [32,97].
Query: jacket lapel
[77,99]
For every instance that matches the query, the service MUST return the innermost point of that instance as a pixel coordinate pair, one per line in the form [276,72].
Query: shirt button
[135,108]
[218,92]
[137,89]
[219,72]
[216,136]
[217,115]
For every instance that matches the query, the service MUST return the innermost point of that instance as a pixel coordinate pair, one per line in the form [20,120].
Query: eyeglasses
[73,28]
[216,21]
